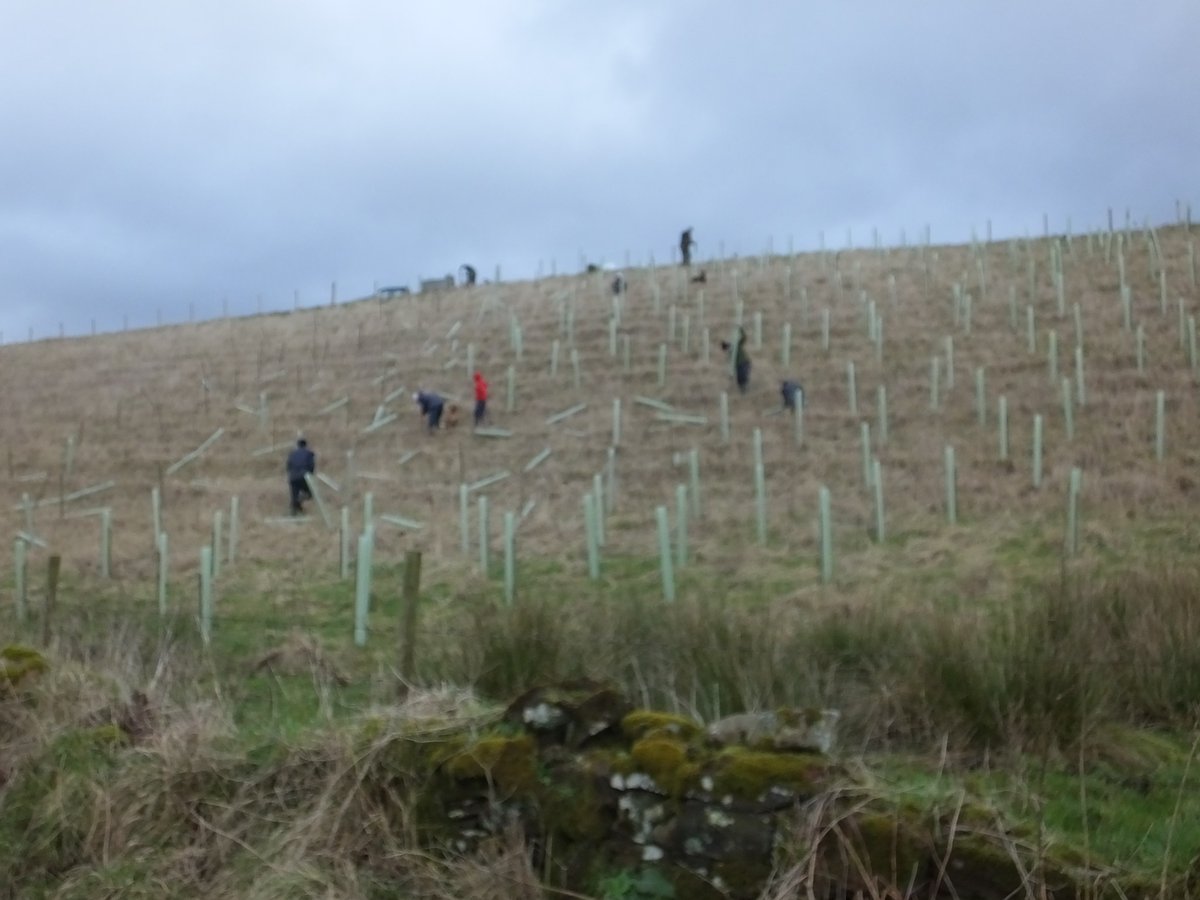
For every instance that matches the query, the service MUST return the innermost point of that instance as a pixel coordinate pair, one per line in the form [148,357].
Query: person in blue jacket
[300,462]
[431,406]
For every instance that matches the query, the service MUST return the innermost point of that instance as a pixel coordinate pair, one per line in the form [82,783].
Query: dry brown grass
[135,403]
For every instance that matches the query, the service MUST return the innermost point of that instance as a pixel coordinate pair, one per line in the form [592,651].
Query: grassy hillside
[135,403]
[976,659]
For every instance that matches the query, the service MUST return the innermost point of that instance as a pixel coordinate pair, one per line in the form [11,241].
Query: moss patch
[749,774]
[17,663]
[667,761]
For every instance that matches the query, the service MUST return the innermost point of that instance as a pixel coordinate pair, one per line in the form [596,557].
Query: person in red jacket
[481,392]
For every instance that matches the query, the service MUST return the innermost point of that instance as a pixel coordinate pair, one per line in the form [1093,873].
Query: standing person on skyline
[686,243]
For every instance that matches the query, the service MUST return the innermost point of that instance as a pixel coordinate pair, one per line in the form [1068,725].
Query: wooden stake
[1037,451]
[681,532]
[464,518]
[484,535]
[980,398]
[864,434]
[951,487]
[1073,488]
[344,538]
[694,480]
[1002,426]
[20,593]
[882,415]
[234,527]
[877,484]
[598,494]
[216,544]
[1160,425]
[53,566]
[935,368]
[156,513]
[106,543]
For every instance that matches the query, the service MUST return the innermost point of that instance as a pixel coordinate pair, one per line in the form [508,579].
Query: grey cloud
[169,155]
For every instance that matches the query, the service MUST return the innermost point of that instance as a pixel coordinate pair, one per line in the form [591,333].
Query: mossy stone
[509,763]
[644,723]
[749,774]
[667,761]
[572,713]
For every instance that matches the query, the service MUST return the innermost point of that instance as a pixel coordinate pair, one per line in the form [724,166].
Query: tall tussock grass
[194,809]
[1038,671]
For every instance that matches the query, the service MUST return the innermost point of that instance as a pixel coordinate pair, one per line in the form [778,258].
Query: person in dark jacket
[793,394]
[431,406]
[300,462]
[741,362]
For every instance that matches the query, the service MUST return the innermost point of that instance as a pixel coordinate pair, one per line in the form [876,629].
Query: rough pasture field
[1018,701]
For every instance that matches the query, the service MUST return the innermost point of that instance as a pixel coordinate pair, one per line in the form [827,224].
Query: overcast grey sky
[159,154]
